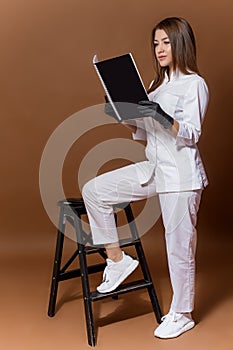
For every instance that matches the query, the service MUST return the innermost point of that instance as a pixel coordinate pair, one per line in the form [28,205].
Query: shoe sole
[186,328]
[126,273]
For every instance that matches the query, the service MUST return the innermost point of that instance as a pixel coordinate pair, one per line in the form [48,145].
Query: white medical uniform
[173,171]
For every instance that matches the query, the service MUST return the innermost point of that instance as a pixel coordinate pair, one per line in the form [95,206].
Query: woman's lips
[161,58]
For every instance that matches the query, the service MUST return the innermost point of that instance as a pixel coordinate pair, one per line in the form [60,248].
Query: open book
[122,84]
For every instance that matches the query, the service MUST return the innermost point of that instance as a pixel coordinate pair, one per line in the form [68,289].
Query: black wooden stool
[71,210]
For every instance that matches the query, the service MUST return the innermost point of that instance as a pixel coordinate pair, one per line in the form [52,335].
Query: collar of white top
[177,74]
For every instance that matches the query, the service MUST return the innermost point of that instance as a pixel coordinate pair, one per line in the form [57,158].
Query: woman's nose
[160,48]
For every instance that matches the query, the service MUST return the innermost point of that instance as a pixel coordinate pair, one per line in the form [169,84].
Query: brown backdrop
[46,76]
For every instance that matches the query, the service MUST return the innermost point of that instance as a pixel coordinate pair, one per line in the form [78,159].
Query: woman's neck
[169,72]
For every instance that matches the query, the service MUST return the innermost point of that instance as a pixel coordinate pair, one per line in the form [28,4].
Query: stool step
[92,250]
[126,242]
[124,288]
[77,273]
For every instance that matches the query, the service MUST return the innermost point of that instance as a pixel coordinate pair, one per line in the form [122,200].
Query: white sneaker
[116,272]
[174,324]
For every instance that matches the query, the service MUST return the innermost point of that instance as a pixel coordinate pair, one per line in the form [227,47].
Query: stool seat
[71,210]
[71,201]
[76,203]
[79,203]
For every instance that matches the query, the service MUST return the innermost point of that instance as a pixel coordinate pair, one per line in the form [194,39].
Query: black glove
[153,110]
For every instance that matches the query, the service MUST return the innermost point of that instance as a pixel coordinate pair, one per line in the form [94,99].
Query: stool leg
[85,285]
[56,265]
[143,263]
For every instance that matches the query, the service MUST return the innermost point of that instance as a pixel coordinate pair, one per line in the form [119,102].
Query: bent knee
[89,190]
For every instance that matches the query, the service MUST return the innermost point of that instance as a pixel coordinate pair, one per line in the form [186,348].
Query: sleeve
[140,133]
[194,108]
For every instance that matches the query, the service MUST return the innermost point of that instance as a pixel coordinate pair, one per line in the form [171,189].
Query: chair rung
[91,250]
[128,242]
[124,288]
[76,272]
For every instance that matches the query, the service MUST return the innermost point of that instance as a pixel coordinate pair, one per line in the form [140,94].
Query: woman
[171,124]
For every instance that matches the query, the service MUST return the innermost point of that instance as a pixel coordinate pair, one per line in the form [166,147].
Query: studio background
[47,75]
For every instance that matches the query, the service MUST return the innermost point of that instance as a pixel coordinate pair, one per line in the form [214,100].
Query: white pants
[179,213]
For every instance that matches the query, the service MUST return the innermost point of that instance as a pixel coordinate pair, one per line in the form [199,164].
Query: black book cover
[123,85]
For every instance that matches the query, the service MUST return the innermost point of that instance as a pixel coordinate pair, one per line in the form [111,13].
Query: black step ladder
[71,210]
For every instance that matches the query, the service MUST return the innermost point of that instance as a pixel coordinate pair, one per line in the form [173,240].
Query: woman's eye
[167,42]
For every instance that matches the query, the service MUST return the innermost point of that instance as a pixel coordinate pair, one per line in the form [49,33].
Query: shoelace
[106,271]
[173,316]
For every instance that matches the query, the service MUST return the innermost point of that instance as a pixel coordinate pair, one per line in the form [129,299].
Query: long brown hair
[183,47]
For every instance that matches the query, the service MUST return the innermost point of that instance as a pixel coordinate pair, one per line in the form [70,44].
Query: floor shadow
[72,293]
[131,306]
[214,281]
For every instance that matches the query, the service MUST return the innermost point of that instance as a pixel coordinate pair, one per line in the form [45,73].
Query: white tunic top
[175,161]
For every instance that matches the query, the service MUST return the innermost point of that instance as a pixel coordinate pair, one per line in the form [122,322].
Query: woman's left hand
[153,110]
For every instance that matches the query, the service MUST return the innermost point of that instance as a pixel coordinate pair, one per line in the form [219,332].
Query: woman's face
[163,51]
